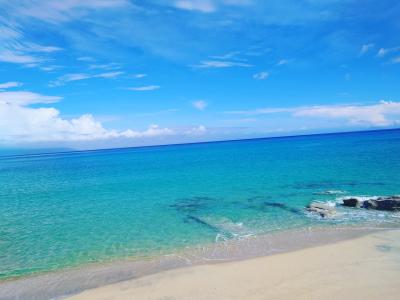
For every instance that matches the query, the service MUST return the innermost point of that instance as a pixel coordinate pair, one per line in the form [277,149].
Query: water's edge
[57,285]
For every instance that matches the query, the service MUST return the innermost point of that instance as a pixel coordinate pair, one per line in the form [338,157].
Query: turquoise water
[67,209]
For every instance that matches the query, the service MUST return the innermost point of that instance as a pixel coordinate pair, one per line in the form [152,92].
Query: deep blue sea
[68,209]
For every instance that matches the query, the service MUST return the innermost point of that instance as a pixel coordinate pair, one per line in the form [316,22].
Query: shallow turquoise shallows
[68,209]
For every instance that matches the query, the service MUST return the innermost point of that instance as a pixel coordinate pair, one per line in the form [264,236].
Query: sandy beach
[363,268]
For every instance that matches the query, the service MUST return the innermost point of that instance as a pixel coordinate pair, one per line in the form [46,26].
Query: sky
[118,73]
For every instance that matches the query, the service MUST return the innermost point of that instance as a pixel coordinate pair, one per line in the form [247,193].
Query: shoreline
[366,267]
[79,279]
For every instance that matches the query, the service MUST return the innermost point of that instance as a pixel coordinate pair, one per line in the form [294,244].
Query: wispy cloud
[282,62]
[9,56]
[66,10]
[365,48]
[82,76]
[221,64]
[383,113]
[10,84]
[229,55]
[16,49]
[49,68]
[382,52]
[139,75]
[86,59]
[109,66]
[396,60]
[205,6]
[108,74]
[144,88]
[200,104]
[208,6]
[24,98]
[261,76]
[32,47]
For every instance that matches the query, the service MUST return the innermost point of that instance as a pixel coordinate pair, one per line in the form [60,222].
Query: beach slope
[361,268]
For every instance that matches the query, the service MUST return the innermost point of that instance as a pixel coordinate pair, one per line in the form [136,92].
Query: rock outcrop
[390,203]
[323,209]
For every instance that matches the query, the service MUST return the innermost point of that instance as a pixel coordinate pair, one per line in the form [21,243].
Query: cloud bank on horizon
[97,73]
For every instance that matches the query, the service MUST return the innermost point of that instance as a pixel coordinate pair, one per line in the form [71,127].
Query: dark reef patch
[265,206]
[193,204]
[191,218]
[330,185]
[284,207]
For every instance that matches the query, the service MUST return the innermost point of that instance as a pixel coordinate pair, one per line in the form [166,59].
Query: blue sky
[99,73]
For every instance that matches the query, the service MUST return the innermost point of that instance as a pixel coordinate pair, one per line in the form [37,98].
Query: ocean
[71,209]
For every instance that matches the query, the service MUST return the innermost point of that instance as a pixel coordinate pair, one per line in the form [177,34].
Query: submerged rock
[192,204]
[282,206]
[330,192]
[323,209]
[389,203]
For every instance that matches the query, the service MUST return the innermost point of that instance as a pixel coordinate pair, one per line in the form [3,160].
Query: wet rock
[390,203]
[353,202]
[323,209]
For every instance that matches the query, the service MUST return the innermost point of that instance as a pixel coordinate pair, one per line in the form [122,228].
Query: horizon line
[194,143]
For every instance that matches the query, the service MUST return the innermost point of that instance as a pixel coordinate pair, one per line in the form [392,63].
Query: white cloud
[18,57]
[21,98]
[385,51]
[282,62]
[207,6]
[49,68]
[139,75]
[10,84]
[20,123]
[261,76]
[32,47]
[199,130]
[14,48]
[46,125]
[221,64]
[383,113]
[382,52]
[108,75]
[229,55]
[109,66]
[82,76]
[365,48]
[200,104]
[204,6]
[144,88]
[396,60]
[62,11]
[86,59]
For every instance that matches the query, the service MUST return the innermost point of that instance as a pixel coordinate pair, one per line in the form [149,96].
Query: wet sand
[366,267]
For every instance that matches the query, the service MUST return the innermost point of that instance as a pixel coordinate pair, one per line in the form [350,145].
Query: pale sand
[362,268]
